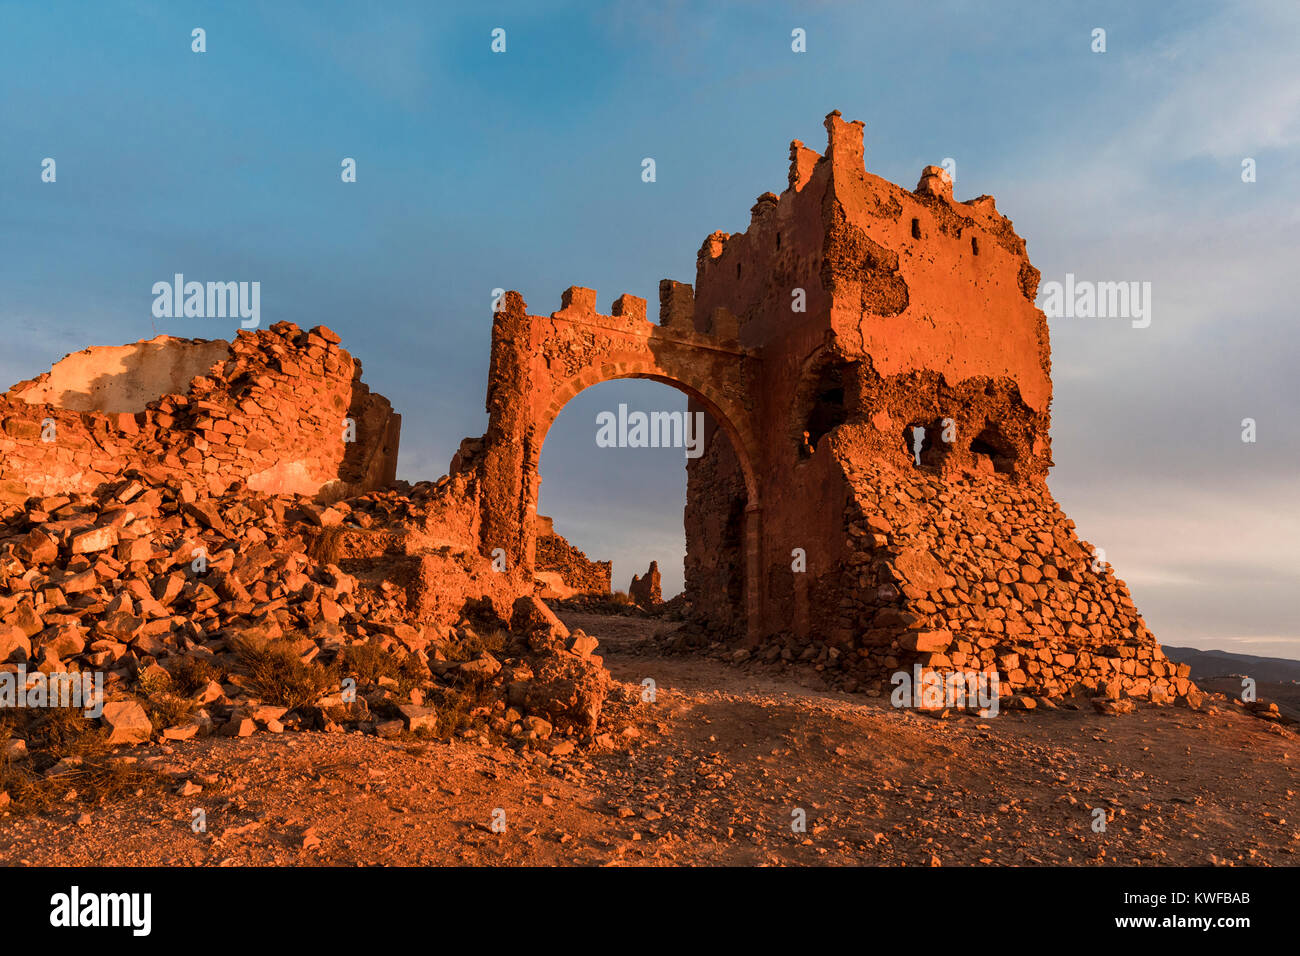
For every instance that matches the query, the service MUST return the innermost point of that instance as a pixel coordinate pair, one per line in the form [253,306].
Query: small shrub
[464,648]
[454,707]
[51,735]
[57,731]
[278,675]
[162,704]
[366,662]
[192,673]
[369,662]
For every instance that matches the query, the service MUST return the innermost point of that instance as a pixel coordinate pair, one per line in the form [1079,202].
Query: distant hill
[1207,664]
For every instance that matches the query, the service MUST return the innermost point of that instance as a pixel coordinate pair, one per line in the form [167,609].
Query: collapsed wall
[111,582]
[564,569]
[973,573]
[281,410]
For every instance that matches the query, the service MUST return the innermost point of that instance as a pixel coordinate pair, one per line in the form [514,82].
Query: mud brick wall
[268,410]
[867,304]
[715,516]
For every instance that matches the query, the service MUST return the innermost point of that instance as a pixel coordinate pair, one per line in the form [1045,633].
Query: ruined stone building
[876,380]
[646,589]
[877,383]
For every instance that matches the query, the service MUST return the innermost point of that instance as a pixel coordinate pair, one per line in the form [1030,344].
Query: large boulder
[127,723]
[14,644]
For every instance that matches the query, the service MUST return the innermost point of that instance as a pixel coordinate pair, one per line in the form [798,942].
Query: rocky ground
[716,769]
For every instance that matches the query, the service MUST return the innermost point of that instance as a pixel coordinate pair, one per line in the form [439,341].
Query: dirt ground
[721,769]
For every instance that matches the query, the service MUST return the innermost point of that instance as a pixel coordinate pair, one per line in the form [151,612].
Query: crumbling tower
[901,407]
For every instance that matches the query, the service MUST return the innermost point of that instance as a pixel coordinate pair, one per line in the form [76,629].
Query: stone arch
[733,423]
[737,434]
[540,362]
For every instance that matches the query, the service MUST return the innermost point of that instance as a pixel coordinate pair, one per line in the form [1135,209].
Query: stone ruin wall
[267,409]
[715,526]
[251,446]
[109,579]
[647,589]
[578,573]
[919,312]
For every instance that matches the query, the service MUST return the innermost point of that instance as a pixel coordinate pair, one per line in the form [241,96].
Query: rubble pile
[224,615]
[981,574]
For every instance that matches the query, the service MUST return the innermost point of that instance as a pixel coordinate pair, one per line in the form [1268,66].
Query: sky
[522,170]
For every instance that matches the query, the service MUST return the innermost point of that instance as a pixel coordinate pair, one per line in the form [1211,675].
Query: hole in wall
[828,410]
[916,229]
[992,452]
[918,442]
[924,444]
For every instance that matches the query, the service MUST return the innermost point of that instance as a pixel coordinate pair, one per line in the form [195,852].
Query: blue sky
[522,170]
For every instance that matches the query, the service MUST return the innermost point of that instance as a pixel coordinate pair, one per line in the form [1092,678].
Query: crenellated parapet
[678,319]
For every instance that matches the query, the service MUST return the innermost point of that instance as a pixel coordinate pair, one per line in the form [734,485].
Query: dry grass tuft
[192,673]
[279,676]
[90,776]
[164,706]
[464,648]
[368,662]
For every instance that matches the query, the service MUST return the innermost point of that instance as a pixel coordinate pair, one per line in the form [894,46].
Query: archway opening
[612,482]
[634,471]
